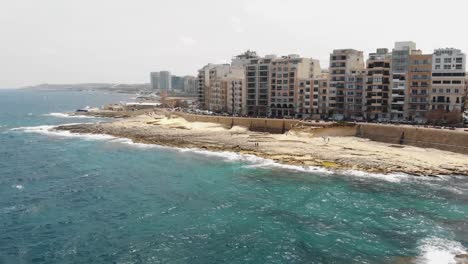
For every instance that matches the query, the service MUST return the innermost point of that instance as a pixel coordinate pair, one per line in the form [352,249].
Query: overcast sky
[121,41]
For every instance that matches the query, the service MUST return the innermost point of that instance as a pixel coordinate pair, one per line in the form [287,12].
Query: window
[457,90]
[458,66]
[437,60]
[447,67]
[459,60]
[437,67]
[447,60]
[447,90]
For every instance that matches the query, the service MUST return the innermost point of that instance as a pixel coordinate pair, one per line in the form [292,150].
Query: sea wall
[455,141]
[253,124]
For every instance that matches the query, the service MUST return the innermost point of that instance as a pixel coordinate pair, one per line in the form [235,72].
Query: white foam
[434,250]
[51,131]
[251,160]
[65,115]
[19,187]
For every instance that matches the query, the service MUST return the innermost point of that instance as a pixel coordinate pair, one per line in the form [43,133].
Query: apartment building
[235,85]
[343,63]
[217,91]
[376,103]
[288,95]
[354,94]
[258,81]
[400,61]
[320,95]
[448,80]
[203,87]
[418,86]
[165,80]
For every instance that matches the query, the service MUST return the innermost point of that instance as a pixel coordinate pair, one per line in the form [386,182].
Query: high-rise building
[343,63]
[400,61]
[448,80]
[319,99]
[165,80]
[418,86]
[377,91]
[203,86]
[177,83]
[216,90]
[258,81]
[287,97]
[154,77]
[190,84]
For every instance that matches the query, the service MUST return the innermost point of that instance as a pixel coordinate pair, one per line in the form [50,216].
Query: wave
[439,250]
[51,131]
[65,115]
[251,161]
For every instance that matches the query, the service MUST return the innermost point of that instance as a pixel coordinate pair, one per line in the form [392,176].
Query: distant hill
[109,87]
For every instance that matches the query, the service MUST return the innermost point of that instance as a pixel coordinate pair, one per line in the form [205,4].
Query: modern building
[154,78]
[235,91]
[165,80]
[287,97]
[217,92]
[377,82]
[177,83]
[354,95]
[343,63]
[448,81]
[418,86]
[320,95]
[203,86]
[258,85]
[400,62]
[190,84]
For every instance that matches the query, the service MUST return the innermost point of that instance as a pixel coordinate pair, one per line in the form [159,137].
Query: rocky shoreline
[293,148]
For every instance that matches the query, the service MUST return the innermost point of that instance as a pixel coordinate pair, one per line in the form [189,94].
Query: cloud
[187,41]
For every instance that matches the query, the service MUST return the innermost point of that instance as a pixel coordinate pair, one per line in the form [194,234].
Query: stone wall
[455,141]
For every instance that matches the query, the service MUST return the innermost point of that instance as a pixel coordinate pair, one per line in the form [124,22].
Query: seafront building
[402,85]
[377,92]
[448,80]
[419,86]
[343,64]
[400,61]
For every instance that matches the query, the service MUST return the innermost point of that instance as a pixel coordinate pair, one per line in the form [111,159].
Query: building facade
[343,63]
[400,61]
[154,78]
[377,93]
[448,81]
[418,86]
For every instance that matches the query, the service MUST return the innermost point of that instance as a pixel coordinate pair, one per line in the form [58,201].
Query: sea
[70,198]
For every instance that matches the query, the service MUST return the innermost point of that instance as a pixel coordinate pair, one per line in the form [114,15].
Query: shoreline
[295,148]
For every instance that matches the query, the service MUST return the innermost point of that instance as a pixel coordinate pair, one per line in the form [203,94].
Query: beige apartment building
[448,81]
[288,95]
[418,86]
[235,90]
[377,92]
[320,103]
[343,63]
[216,94]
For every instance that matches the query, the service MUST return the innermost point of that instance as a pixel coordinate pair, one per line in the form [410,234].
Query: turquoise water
[88,199]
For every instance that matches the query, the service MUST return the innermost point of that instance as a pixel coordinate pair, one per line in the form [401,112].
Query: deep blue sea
[97,199]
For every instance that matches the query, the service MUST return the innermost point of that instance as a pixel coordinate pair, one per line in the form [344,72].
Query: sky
[121,41]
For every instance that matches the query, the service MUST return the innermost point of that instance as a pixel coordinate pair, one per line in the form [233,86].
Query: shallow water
[97,199]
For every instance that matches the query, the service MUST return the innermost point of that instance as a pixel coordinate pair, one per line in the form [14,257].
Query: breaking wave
[434,250]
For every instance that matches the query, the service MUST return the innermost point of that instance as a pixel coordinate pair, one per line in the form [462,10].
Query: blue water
[89,200]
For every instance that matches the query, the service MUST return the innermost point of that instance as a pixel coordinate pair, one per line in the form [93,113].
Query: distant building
[190,84]
[154,77]
[165,80]
[177,83]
